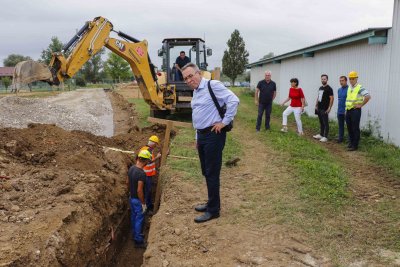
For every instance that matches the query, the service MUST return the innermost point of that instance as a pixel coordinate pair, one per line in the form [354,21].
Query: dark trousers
[210,146]
[178,75]
[261,108]
[323,122]
[353,117]
[341,118]
[136,220]
[147,192]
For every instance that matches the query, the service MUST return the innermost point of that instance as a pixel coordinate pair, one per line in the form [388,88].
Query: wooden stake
[170,124]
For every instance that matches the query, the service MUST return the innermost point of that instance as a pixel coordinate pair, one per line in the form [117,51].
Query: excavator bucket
[29,71]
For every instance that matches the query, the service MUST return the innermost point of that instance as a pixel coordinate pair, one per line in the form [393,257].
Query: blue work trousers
[210,146]
[353,117]
[137,218]
[261,108]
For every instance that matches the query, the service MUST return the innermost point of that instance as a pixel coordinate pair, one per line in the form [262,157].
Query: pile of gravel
[87,110]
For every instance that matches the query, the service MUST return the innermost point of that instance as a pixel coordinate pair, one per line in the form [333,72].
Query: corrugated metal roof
[6,71]
[377,33]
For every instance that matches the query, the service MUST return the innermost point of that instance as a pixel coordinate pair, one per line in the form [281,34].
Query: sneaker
[323,139]
[284,129]
[300,134]
[317,136]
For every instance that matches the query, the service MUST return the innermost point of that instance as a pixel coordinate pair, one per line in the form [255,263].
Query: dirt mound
[63,195]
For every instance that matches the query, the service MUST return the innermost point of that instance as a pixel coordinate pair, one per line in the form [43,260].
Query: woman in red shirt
[296,106]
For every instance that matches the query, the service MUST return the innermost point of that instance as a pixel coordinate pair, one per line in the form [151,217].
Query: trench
[122,252]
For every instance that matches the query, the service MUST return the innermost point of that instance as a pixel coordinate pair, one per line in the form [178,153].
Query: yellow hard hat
[144,154]
[353,74]
[154,139]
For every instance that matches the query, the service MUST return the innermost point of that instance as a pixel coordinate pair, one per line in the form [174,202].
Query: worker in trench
[151,172]
[136,181]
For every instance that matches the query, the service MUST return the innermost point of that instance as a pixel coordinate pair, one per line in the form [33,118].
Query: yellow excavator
[161,90]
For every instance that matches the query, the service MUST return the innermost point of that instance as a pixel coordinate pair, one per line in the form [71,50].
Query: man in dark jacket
[265,94]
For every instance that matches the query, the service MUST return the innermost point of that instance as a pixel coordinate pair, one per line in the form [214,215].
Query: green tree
[269,55]
[13,59]
[92,70]
[117,68]
[6,82]
[247,76]
[236,57]
[54,46]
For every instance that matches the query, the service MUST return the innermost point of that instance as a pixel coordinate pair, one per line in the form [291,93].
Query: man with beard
[323,106]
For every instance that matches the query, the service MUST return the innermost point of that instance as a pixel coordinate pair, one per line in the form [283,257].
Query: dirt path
[241,236]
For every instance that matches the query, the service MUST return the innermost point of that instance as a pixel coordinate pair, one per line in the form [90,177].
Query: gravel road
[87,110]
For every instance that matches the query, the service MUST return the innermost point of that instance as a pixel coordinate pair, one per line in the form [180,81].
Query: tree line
[115,68]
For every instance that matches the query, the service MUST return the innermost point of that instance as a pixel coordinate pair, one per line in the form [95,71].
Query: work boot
[201,208]
[205,217]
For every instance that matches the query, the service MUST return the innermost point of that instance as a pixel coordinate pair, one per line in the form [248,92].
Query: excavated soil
[63,196]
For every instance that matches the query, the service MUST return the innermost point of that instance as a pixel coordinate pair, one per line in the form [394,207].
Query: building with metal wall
[374,53]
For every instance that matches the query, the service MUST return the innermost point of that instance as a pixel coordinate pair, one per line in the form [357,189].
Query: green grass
[319,178]
[143,111]
[381,153]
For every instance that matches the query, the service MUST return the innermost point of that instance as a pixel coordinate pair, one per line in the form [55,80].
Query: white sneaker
[317,136]
[284,129]
[323,139]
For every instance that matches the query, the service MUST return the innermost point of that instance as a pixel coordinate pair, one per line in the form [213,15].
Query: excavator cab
[197,52]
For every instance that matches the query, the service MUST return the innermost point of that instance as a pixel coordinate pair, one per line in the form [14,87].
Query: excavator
[160,89]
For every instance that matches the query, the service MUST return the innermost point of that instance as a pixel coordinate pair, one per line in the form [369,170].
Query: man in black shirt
[181,61]
[137,178]
[265,94]
[323,106]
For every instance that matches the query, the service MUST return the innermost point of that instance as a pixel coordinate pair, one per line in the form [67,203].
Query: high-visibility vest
[353,97]
[150,169]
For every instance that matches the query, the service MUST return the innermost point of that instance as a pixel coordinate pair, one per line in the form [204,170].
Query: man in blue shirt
[341,111]
[210,133]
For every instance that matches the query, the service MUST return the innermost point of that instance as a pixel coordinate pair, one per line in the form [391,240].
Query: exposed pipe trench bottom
[123,253]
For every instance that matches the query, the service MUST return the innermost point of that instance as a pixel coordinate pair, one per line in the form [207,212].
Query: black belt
[205,130]
[353,109]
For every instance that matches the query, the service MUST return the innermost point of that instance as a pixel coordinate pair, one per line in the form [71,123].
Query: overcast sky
[277,26]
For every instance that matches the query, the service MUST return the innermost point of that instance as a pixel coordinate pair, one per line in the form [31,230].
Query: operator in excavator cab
[181,61]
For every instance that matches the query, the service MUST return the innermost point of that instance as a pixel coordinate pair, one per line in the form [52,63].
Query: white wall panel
[393,98]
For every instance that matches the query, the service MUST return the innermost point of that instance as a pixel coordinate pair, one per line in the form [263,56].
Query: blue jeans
[178,75]
[261,108]
[341,118]
[136,220]
[353,118]
[147,192]
[210,146]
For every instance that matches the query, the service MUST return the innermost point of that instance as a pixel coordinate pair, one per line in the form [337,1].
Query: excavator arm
[95,35]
